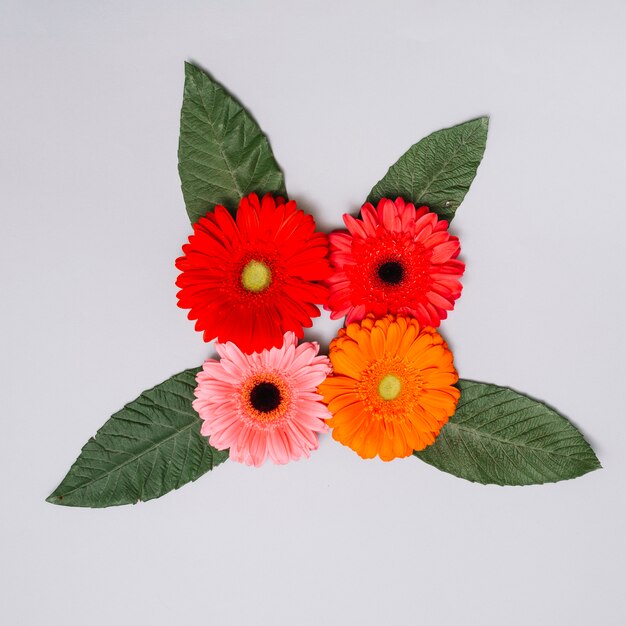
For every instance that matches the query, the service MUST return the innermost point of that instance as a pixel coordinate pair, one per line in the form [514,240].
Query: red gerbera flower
[395,260]
[252,280]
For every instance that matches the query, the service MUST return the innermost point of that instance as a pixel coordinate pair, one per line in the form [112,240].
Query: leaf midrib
[481,434]
[220,144]
[131,460]
[446,163]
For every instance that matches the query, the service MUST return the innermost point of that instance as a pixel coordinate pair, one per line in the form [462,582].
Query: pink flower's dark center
[265,397]
[391,272]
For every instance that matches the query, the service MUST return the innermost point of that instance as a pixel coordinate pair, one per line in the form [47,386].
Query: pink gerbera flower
[265,403]
[397,259]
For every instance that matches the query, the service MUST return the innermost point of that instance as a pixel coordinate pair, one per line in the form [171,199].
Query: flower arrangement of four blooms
[254,277]
[255,282]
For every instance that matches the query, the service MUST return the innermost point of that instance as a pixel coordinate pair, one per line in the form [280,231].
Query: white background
[93,218]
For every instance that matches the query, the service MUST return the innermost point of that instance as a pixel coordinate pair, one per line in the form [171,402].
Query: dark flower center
[265,397]
[391,272]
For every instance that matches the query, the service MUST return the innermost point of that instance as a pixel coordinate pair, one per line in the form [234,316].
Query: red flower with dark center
[253,279]
[396,259]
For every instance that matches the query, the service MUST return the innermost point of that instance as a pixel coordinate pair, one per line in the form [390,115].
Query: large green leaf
[151,446]
[223,155]
[498,436]
[438,170]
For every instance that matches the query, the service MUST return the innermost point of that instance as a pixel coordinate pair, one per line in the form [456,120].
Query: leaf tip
[593,462]
[55,498]
[193,71]
[482,123]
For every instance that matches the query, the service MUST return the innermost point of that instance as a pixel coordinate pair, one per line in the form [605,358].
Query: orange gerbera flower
[392,388]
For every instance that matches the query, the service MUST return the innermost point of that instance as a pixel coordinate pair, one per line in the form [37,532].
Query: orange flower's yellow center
[256,276]
[389,387]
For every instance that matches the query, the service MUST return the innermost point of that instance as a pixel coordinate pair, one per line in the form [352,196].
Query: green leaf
[498,436]
[151,446]
[438,170]
[222,155]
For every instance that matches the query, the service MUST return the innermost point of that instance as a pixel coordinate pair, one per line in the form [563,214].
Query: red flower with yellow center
[251,279]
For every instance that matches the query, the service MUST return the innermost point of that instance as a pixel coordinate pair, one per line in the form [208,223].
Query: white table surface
[93,218]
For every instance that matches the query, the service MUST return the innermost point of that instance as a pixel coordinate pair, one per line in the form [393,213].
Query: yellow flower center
[256,276]
[389,387]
